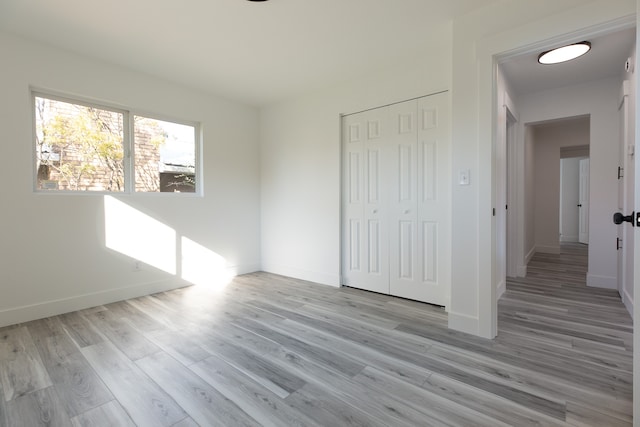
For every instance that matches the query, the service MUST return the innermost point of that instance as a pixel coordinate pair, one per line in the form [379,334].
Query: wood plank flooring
[274,351]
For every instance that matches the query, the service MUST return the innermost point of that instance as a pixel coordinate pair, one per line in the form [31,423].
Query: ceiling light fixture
[257,0]
[564,53]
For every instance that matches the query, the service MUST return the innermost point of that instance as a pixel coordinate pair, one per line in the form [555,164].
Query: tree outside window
[82,148]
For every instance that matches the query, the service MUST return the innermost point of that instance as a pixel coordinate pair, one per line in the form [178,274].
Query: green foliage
[88,142]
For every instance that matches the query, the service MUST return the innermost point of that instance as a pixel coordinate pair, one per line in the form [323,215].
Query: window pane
[78,148]
[165,156]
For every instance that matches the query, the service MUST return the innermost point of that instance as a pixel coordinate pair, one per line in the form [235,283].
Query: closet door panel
[403,194]
[432,281]
[353,200]
[366,212]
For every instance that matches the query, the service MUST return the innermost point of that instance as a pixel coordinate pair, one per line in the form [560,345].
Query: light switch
[463,177]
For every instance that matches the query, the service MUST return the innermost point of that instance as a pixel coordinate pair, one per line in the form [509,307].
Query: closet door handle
[407,211]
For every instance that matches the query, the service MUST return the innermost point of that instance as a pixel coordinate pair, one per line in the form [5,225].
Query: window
[81,147]
[164,156]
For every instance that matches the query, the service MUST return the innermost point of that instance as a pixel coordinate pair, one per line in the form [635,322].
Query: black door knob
[618,218]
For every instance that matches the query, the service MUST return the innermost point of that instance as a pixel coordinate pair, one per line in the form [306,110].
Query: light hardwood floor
[273,351]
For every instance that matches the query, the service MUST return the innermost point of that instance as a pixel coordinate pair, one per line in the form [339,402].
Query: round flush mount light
[564,53]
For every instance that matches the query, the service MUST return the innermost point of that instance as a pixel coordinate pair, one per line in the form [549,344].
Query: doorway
[532,224]
[492,53]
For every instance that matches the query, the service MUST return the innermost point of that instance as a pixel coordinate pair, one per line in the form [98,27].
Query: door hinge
[618,243]
[620,172]
[494,211]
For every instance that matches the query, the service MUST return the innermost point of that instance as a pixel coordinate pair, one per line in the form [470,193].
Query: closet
[396,207]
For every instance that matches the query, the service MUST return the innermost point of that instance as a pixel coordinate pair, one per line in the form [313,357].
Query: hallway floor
[585,332]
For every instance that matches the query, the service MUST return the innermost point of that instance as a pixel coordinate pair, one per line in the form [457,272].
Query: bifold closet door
[365,216]
[396,200]
[421,194]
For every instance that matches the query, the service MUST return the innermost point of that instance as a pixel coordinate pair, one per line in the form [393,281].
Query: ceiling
[606,59]
[257,53]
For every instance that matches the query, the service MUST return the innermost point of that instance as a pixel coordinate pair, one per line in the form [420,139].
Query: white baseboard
[463,323]
[238,270]
[521,271]
[606,282]
[40,310]
[44,309]
[296,273]
[548,249]
[530,255]
[501,289]
[628,302]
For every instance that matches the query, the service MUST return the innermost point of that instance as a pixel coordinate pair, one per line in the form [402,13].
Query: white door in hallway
[626,183]
[583,203]
[396,200]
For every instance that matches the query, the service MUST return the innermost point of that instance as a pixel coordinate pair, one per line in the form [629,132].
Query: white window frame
[128,145]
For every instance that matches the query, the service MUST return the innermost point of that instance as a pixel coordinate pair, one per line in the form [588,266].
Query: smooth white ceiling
[607,57]
[257,53]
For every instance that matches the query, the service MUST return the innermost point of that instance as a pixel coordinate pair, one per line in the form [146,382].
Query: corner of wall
[501,289]
[309,276]
[463,323]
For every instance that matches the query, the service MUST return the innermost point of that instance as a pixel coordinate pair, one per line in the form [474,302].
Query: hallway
[584,333]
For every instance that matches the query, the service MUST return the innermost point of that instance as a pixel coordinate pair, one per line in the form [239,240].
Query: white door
[396,200]
[421,267]
[403,196]
[626,203]
[365,233]
[583,203]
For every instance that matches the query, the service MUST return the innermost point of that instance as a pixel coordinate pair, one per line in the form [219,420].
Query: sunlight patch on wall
[139,236]
[201,266]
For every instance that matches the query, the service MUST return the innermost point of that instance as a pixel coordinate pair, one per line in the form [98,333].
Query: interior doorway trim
[516,266]
[490,53]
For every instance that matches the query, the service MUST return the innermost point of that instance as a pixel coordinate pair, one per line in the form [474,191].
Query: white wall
[53,250]
[300,160]
[529,193]
[569,187]
[599,100]
[300,146]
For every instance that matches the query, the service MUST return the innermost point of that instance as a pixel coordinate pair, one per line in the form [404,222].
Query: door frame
[584,217]
[514,218]
[490,52]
